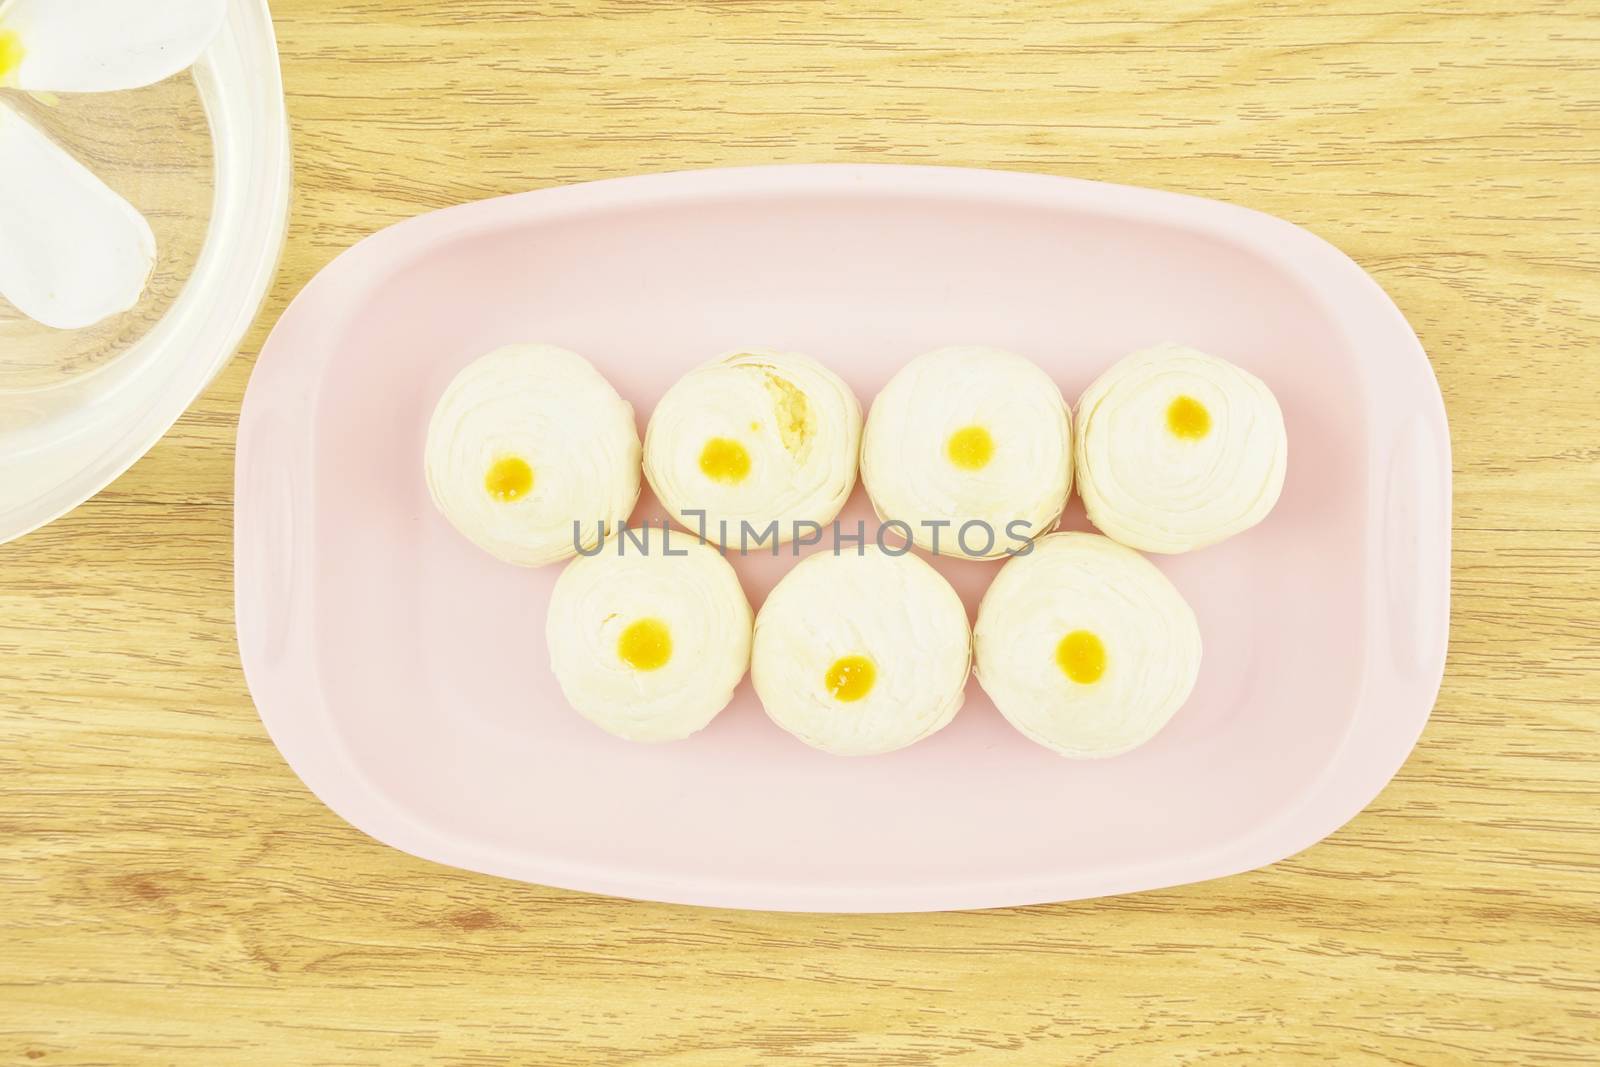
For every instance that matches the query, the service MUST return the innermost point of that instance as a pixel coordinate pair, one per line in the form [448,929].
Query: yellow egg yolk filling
[725,460]
[645,645]
[970,448]
[1188,419]
[508,478]
[1081,657]
[850,678]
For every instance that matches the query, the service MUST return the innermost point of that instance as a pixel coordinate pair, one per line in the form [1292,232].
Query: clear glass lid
[139,228]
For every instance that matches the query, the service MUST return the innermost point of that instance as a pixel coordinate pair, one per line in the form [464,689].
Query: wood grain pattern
[169,893]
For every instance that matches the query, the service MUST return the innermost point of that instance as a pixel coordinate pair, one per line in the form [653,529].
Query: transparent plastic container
[204,156]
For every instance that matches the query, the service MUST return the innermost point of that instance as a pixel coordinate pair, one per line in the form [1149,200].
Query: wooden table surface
[170,893]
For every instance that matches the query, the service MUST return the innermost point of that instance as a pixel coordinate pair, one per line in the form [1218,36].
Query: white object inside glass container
[200,157]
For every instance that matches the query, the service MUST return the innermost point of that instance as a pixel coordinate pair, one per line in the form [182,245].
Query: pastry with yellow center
[858,654]
[754,438]
[649,645]
[1177,450]
[1085,646]
[526,442]
[969,435]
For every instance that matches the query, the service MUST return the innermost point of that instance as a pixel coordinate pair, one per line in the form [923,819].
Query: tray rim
[281,674]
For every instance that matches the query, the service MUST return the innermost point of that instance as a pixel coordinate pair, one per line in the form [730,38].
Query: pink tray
[402,672]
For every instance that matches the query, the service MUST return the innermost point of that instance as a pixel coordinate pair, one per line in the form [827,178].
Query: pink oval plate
[402,672]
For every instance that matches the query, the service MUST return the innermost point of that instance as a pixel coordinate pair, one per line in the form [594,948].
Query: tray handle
[1417,568]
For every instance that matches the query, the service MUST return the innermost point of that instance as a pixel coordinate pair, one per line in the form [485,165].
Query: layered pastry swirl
[649,645]
[528,446]
[757,438]
[970,448]
[1085,646]
[861,653]
[1177,450]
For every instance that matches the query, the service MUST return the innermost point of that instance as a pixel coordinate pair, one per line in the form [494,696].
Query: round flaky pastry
[1085,646]
[526,442]
[649,645]
[755,438]
[861,653]
[970,448]
[1177,450]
